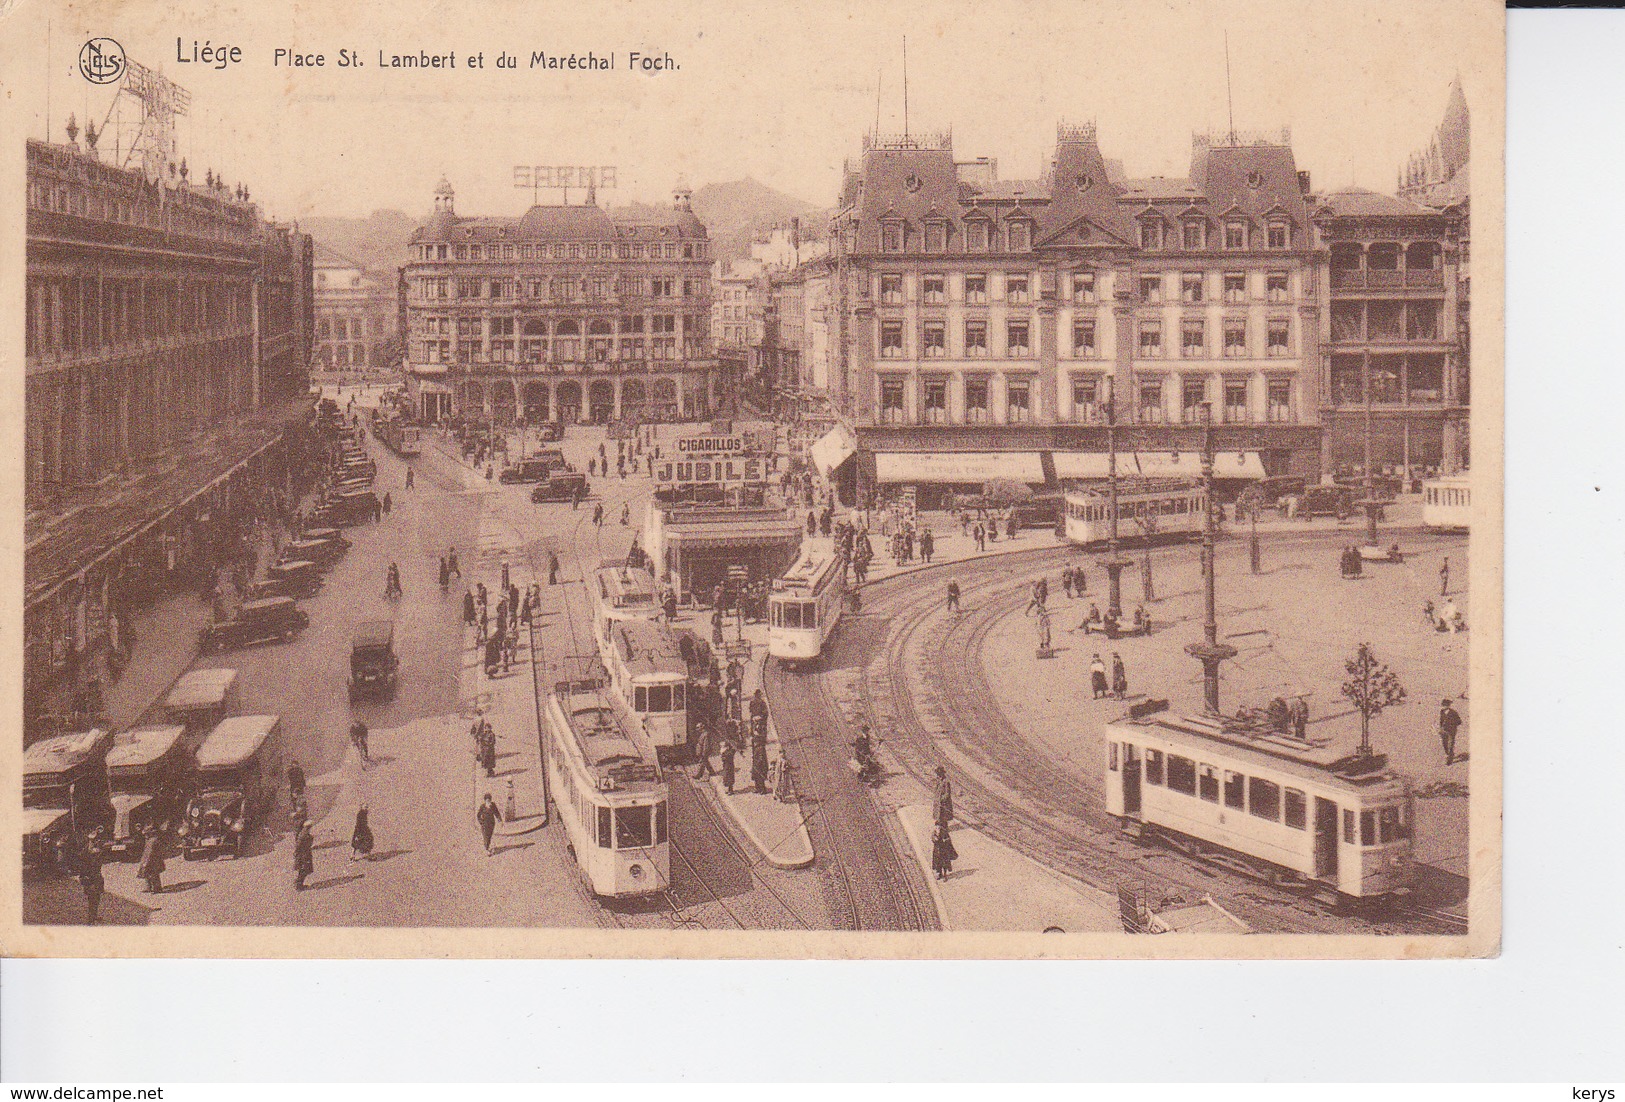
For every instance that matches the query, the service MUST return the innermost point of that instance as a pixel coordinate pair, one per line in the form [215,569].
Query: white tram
[1275,807]
[610,794]
[1147,508]
[649,675]
[621,592]
[805,605]
[1447,502]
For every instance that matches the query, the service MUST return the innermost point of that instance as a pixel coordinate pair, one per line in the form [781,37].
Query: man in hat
[151,867]
[304,855]
[1449,724]
[943,798]
[488,817]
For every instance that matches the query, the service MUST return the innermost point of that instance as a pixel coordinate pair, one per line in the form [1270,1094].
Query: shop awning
[1157,464]
[961,467]
[834,448]
[699,537]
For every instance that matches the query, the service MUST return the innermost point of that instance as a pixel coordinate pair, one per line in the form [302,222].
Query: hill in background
[735,212]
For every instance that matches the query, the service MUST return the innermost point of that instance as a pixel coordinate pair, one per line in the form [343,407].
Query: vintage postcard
[786,480]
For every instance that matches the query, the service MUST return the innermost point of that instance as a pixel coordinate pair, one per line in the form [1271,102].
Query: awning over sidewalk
[834,448]
[963,467]
[1157,464]
[722,534]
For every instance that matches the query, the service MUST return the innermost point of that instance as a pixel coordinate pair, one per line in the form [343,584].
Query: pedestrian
[1300,718]
[598,515]
[1449,724]
[361,837]
[470,615]
[488,816]
[445,574]
[729,748]
[389,503]
[358,738]
[150,869]
[296,780]
[304,855]
[485,623]
[1119,676]
[507,584]
[704,751]
[953,596]
[758,762]
[451,561]
[91,879]
[488,750]
[1444,577]
[981,537]
[928,545]
[716,625]
[626,511]
[1080,582]
[758,714]
[669,605]
[943,854]
[1066,582]
[943,798]
[409,478]
[1097,676]
[552,568]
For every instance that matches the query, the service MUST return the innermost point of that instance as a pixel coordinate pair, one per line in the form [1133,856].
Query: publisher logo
[101,61]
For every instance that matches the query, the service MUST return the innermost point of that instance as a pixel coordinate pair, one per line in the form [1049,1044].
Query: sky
[781,91]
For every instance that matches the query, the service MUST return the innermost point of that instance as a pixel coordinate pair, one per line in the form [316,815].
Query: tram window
[1209,789]
[677,697]
[1181,774]
[640,698]
[660,823]
[659,698]
[1264,799]
[1368,828]
[1235,789]
[792,614]
[634,827]
[809,614]
[776,613]
[1297,810]
[1153,767]
[1111,756]
[1348,827]
[1388,825]
[605,837]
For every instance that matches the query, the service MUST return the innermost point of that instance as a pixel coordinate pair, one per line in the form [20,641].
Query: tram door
[1325,840]
[1131,780]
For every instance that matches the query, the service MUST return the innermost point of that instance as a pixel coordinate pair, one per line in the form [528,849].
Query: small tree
[1371,687]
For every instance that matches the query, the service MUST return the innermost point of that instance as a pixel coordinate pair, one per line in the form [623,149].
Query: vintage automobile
[324,553]
[199,700]
[297,577]
[560,486]
[355,506]
[65,793]
[239,768]
[373,662]
[332,534]
[534,469]
[147,769]
[1319,501]
[276,619]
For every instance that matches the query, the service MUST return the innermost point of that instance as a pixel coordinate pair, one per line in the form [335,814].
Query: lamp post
[1210,652]
[1370,504]
[1114,562]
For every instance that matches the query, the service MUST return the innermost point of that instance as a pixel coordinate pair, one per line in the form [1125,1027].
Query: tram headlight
[636,871]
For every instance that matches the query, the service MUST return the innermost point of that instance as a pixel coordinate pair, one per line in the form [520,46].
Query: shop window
[1422,321]
[1424,376]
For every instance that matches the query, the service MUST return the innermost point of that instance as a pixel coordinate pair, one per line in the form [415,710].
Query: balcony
[1377,279]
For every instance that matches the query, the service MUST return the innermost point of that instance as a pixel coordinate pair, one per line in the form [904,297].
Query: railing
[1386,278]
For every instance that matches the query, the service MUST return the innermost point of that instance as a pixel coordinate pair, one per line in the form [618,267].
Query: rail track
[927,686]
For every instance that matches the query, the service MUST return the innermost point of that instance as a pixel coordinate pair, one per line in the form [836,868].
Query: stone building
[356,316]
[567,313]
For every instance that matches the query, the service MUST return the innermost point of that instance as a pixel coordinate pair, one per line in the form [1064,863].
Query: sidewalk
[775,828]
[166,642]
[993,887]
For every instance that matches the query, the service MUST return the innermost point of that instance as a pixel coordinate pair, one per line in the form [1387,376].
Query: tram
[1147,508]
[402,439]
[1447,503]
[805,605]
[621,592]
[610,794]
[648,673]
[1263,802]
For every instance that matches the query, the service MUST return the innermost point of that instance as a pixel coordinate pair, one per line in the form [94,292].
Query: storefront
[693,546]
[933,479]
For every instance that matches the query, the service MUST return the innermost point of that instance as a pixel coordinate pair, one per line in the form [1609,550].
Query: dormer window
[1151,234]
[1235,235]
[976,235]
[1020,236]
[1195,236]
[891,237]
[912,182]
[1280,234]
[1085,181]
[1255,180]
[936,237]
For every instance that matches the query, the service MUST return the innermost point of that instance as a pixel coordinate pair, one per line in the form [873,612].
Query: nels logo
[101,61]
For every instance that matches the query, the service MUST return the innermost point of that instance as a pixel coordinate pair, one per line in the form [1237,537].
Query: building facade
[568,313]
[168,340]
[1000,321]
[357,328]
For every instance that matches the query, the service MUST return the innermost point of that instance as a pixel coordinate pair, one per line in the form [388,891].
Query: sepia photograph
[514,481]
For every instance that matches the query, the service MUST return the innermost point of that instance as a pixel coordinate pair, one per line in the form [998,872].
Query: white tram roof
[1269,751]
[1131,487]
[201,687]
[809,572]
[234,740]
[622,585]
[649,648]
[600,730]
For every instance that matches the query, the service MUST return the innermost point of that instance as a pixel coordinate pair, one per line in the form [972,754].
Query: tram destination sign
[727,471]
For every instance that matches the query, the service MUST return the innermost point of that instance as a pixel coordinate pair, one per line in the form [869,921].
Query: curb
[757,844]
[922,857]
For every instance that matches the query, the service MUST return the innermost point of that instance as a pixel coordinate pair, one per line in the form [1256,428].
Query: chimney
[1303,181]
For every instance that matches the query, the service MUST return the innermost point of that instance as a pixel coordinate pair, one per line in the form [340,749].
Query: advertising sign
[728,471]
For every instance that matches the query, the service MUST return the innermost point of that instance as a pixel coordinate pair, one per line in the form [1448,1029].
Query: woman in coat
[1119,677]
[151,867]
[943,854]
[304,855]
[361,838]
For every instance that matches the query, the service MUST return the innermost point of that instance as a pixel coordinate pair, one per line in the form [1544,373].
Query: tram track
[929,686]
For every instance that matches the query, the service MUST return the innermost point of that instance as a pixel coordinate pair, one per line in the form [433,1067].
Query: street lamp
[1114,562]
[1370,504]
[1210,652]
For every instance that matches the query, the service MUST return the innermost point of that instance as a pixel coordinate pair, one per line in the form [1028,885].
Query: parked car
[373,662]
[147,769]
[324,553]
[239,769]
[277,619]
[199,700]
[300,578]
[534,469]
[1320,501]
[560,486]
